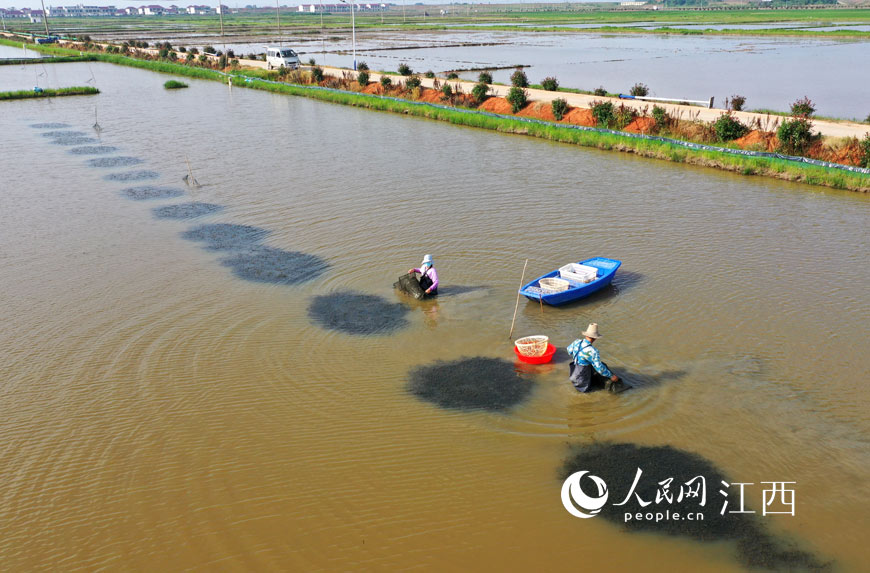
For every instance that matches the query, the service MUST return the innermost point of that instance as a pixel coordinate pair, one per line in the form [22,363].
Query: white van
[277,57]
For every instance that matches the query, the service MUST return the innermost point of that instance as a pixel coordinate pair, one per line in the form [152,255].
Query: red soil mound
[431,96]
[579,116]
[641,125]
[538,110]
[496,105]
[758,140]
[848,153]
[373,89]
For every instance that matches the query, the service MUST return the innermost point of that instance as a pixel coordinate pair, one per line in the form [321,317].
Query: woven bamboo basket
[532,345]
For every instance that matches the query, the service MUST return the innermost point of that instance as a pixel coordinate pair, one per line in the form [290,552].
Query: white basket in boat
[553,285]
[578,273]
[532,345]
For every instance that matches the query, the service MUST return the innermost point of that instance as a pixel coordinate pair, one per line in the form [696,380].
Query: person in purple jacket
[428,276]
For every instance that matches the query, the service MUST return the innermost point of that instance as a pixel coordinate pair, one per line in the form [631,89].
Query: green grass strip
[29,94]
[747,165]
[53,60]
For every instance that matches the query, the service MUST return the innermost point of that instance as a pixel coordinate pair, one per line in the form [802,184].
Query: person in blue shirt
[585,359]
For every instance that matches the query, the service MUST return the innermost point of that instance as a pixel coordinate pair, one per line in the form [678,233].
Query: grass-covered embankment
[29,94]
[52,60]
[747,165]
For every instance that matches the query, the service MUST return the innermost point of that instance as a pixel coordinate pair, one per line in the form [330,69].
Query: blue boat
[576,288]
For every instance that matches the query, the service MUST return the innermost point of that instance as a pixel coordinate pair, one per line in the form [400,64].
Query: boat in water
[572,282]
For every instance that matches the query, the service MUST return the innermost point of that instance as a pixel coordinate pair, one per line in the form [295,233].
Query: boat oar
[518,300]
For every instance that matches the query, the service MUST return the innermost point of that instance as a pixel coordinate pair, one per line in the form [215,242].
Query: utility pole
[278,14]
[44,18]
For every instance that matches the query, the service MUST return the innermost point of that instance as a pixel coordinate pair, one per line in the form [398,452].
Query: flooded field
[770,72]
[222,377]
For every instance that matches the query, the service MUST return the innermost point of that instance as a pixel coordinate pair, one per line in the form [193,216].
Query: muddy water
[159,411]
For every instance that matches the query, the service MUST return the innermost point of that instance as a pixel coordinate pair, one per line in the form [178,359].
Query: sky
[34,4]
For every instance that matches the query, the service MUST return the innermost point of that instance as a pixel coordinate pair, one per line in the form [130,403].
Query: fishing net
[145,192]
[478,383]
[226,236]
[132,176]
[409,284]
[50,125]
[270,265]
[357,313]
[617,465]
[119,161]
[185,210]
[93,150]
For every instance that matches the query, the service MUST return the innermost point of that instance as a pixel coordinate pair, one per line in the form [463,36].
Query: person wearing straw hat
[586,359]
[428,276]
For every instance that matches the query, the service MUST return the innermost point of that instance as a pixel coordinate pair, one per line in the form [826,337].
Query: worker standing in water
[428,276]
[586,359]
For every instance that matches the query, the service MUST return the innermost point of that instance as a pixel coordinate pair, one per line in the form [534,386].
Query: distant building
[328,8]
[632,3]
[80,11]
[196,9]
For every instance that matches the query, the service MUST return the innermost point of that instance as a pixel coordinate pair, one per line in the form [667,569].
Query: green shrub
[660,115]
[550,84]
[803,107]
[639,89]
[480,91]
[795,135]
[190,57]
[163,53]
[362,67]
[363,78]
[519,79]
[865,151]
[602,111]
[484,77]
[600,91]
[517,97]
[386,81]
[413,82]
[867,119]
[429,74]
[317,74]
[312,62]
[203,58]
[174,85]
[446,92]
[194,51]
[182,49]
[560,108]
[405,69]
[728,127]
[737,103]
[209,50]
[623,115]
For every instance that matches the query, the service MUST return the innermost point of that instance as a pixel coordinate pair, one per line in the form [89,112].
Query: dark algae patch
[50,125]
[357,313]
[270,265]
[225,236]
[132,176]
[478,383]
[185,210]
[617,465]
[119,161]
[93,150]
[145,192]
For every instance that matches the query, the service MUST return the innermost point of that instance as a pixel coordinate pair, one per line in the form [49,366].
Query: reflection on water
[160,411]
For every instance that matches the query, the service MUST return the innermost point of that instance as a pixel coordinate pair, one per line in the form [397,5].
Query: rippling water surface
[158,410]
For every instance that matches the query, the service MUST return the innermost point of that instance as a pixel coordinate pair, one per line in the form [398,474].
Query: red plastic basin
[543,359]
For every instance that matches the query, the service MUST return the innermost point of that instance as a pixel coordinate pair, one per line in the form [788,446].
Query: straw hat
[592,331]
[427,260]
